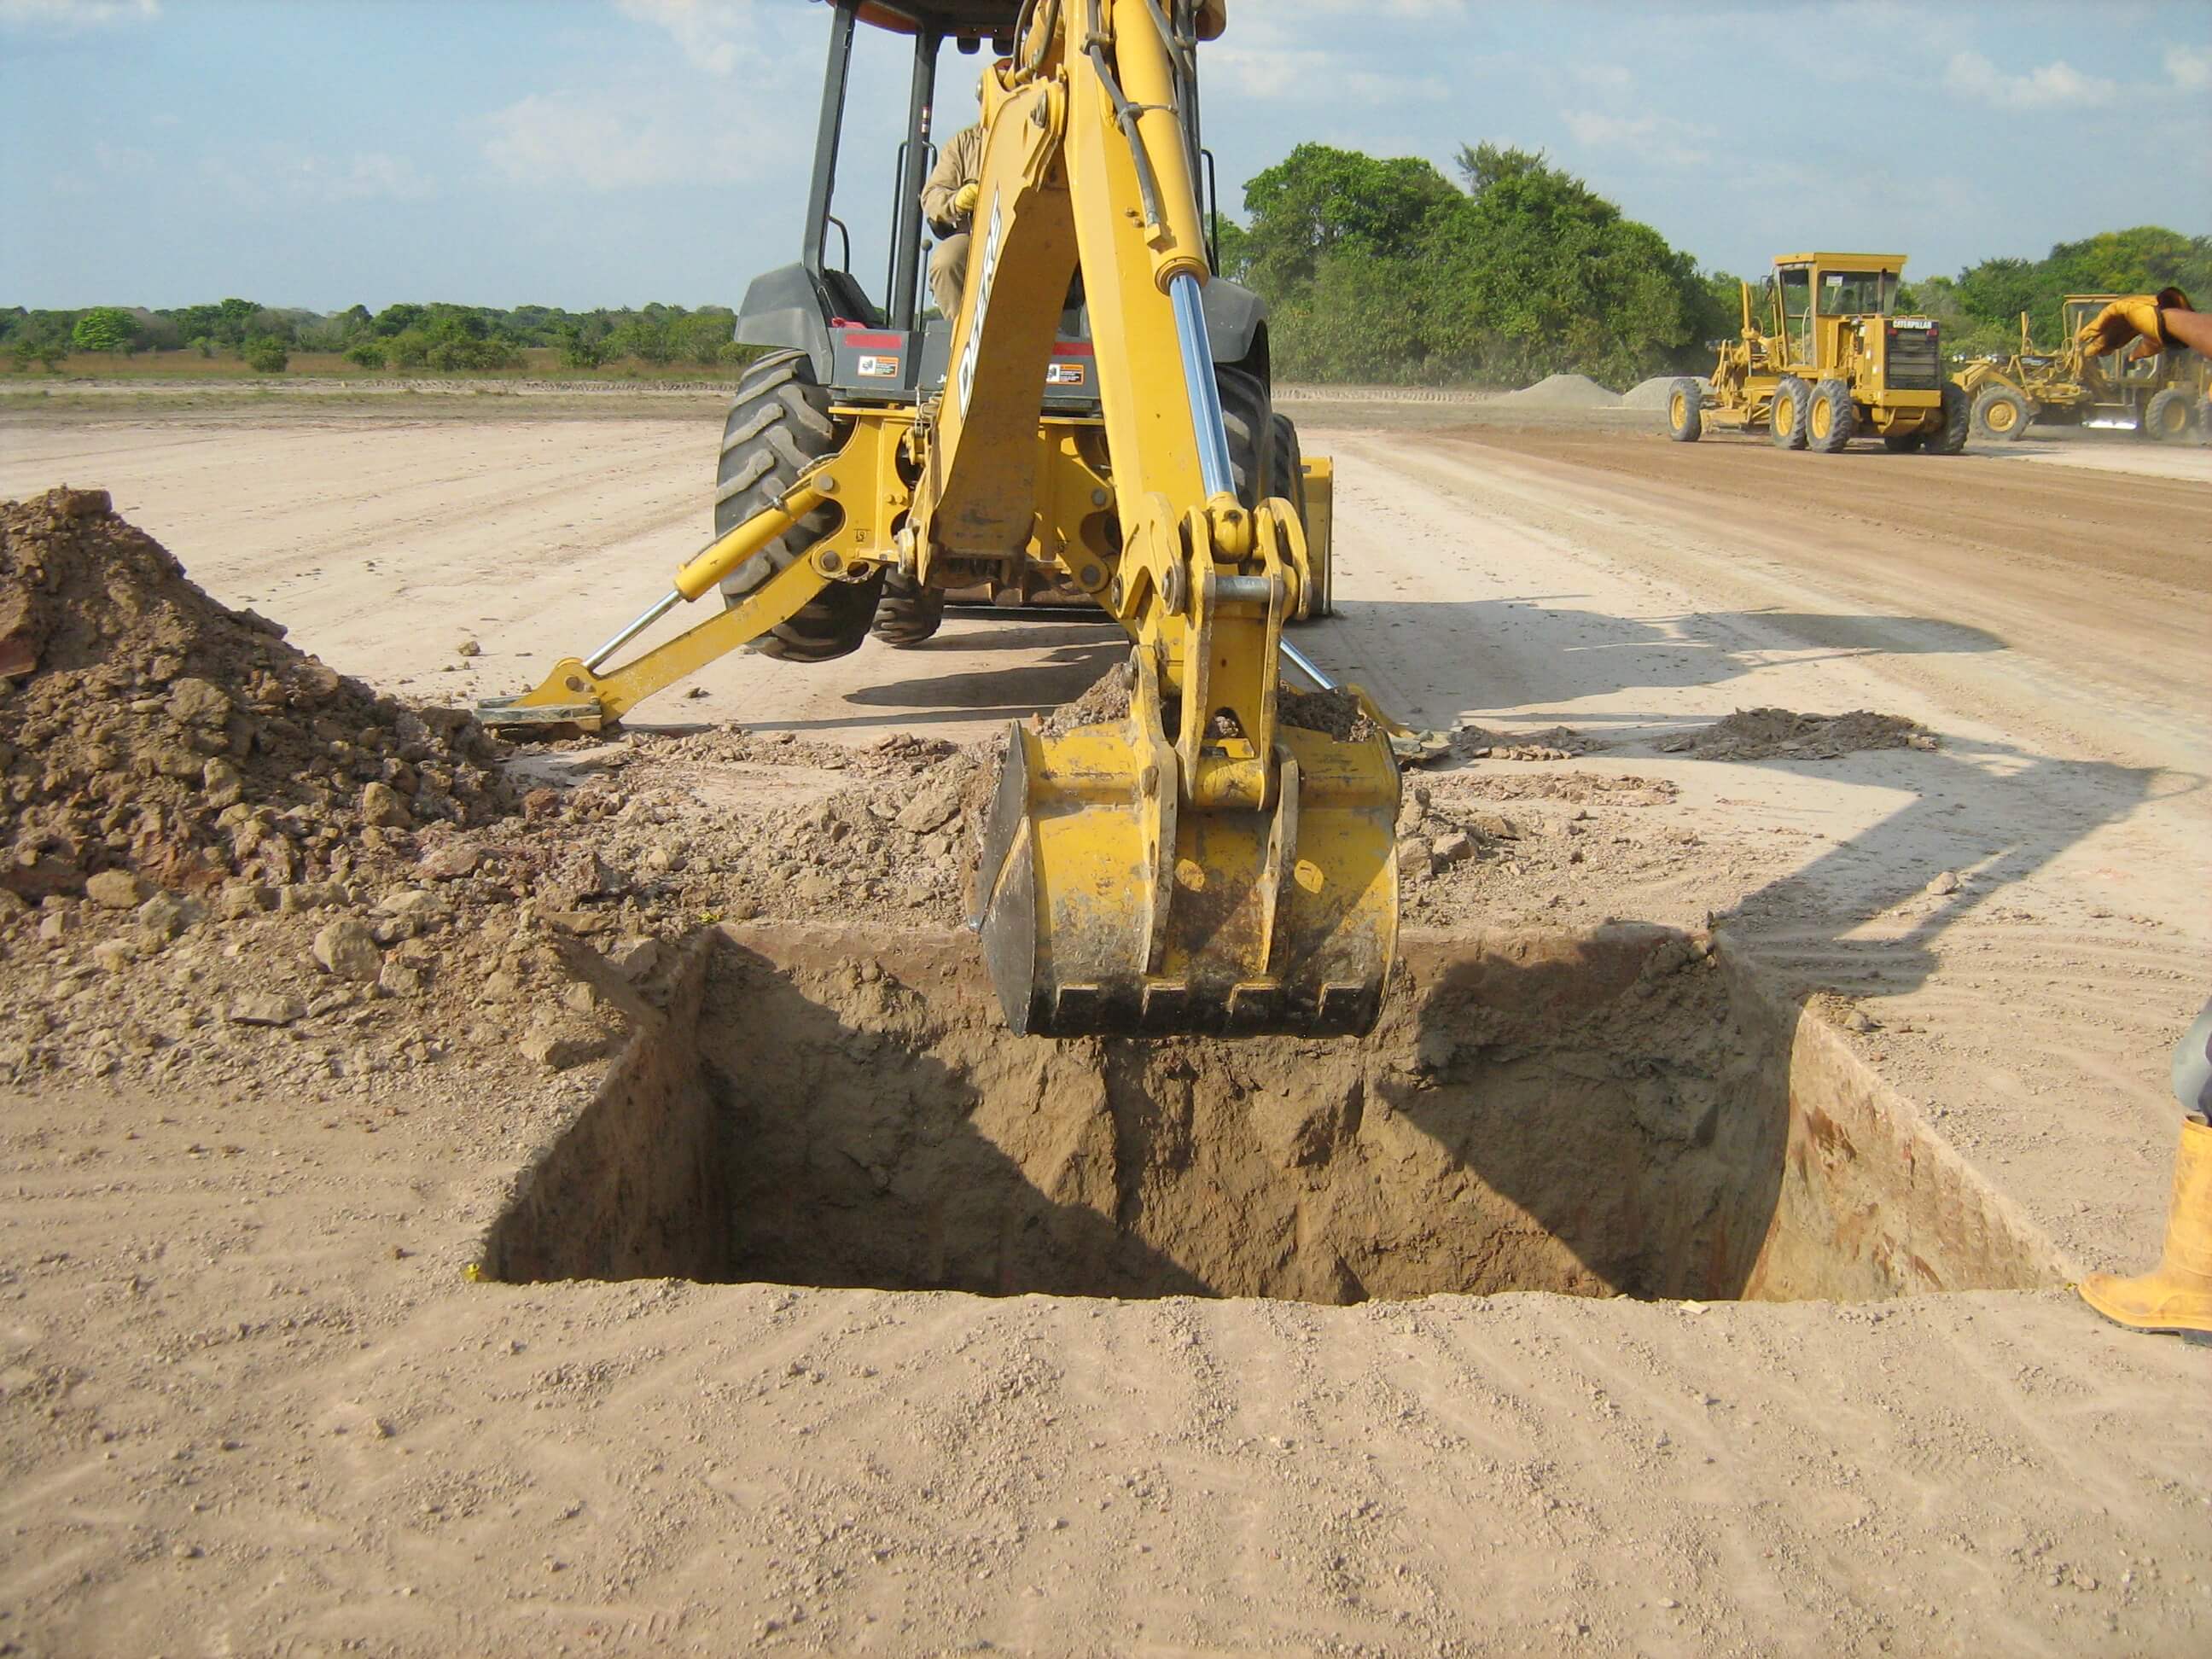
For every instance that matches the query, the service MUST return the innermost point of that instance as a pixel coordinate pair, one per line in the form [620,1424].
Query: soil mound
[1766,733]
[1562,391]
[146,728]
[1652,393]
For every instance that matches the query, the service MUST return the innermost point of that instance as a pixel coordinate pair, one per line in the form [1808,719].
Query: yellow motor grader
[1823,357]
[2160,394]
[1097,407]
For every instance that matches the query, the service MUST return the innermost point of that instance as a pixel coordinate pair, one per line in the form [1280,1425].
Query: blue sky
[586,152]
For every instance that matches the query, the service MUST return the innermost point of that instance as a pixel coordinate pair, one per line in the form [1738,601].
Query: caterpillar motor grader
[2160,394]
[1098,408]
[1826,358]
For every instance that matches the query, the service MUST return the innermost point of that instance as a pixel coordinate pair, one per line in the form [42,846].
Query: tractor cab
[868,337]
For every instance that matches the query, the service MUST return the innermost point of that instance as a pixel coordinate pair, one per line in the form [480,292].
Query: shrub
[366,353]
[104,328]
[265,354]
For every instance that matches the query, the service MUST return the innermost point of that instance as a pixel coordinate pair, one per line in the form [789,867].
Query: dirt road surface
[253,1405]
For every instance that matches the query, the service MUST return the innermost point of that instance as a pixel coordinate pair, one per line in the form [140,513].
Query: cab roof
[949,16]
[1890,262]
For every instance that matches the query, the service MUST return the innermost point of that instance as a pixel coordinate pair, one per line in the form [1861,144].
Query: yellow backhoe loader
[1098,408]
[1825,358]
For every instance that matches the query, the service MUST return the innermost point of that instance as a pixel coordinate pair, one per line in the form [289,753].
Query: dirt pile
[1653,393]
[1751,734]
[151,731]
[1472,742]
[1561,392]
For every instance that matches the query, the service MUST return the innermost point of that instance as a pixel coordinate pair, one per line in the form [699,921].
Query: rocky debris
[116,890]
[1945,884]
[566,1043]
[153,732]
[347,949]
[265,1008]
[1106,699]
[1472,742]
[1337,713]
[1752,734]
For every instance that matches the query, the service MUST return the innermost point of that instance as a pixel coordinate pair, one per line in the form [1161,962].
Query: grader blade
[1113,906]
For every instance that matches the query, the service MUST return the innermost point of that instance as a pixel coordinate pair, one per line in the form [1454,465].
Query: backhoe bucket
[1113,906]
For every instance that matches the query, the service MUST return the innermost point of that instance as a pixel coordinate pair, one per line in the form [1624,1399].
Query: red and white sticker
[879,368]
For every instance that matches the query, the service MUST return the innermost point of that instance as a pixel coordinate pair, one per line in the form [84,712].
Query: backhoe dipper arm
[1195,866]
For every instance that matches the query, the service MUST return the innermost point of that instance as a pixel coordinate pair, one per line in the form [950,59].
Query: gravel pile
[1561,392]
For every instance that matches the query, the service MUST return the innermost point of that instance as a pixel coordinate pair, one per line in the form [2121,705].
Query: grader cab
[1824,357]
[2160,395]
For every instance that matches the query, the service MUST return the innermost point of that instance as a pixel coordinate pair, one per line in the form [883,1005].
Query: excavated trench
[1619,1112]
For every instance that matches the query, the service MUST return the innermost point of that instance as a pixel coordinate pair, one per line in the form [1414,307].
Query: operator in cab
[948,197]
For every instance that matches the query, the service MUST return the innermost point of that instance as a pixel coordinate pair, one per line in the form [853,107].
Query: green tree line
[433,336]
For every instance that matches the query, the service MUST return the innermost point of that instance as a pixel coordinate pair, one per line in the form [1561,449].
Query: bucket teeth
[1111,906]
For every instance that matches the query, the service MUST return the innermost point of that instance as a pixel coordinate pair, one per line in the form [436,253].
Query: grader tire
[1905,443]
[1685,411]
[2167,417]
[1249,414]
[908,612]
[1830,419]
[1949,435]
[1787,414]
[2000,414]
[779,424]
[1288,481]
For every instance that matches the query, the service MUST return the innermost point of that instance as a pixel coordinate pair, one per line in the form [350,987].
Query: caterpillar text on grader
[1825,358]
[2161,394]
[1098,412]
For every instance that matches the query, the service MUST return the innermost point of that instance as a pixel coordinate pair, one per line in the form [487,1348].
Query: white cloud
[71,15]
[2190,67]
[273,174]
[1282,74]
[603,143]
[2055,85]
[715,34]
[1613,77]
[1656,138]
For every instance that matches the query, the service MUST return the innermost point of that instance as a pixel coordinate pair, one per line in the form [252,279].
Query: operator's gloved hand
[2136,316]
[964,199]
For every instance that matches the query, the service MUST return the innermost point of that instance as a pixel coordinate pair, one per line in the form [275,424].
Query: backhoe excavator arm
[1199,865]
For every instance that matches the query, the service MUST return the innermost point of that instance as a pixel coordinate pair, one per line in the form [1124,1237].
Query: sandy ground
[252,1406]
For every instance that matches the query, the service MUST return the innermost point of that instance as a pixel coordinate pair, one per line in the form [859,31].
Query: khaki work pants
[948,273]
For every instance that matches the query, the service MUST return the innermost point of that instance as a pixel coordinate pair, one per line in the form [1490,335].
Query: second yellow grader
[1823,357]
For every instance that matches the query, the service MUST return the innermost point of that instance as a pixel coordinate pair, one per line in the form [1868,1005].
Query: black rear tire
[1685,411]
[1830,419]
[908,612]
[2169,415]
[1786,414]
[780,424]
[1288,481]
[1949,437]
[1248,415]
[2000,414]
[1905,443]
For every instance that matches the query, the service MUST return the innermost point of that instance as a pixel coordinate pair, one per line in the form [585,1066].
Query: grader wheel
[2167,416]
[2001,414]
[1830,420]
[1685,411]
[1788,413]
[1949,437]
